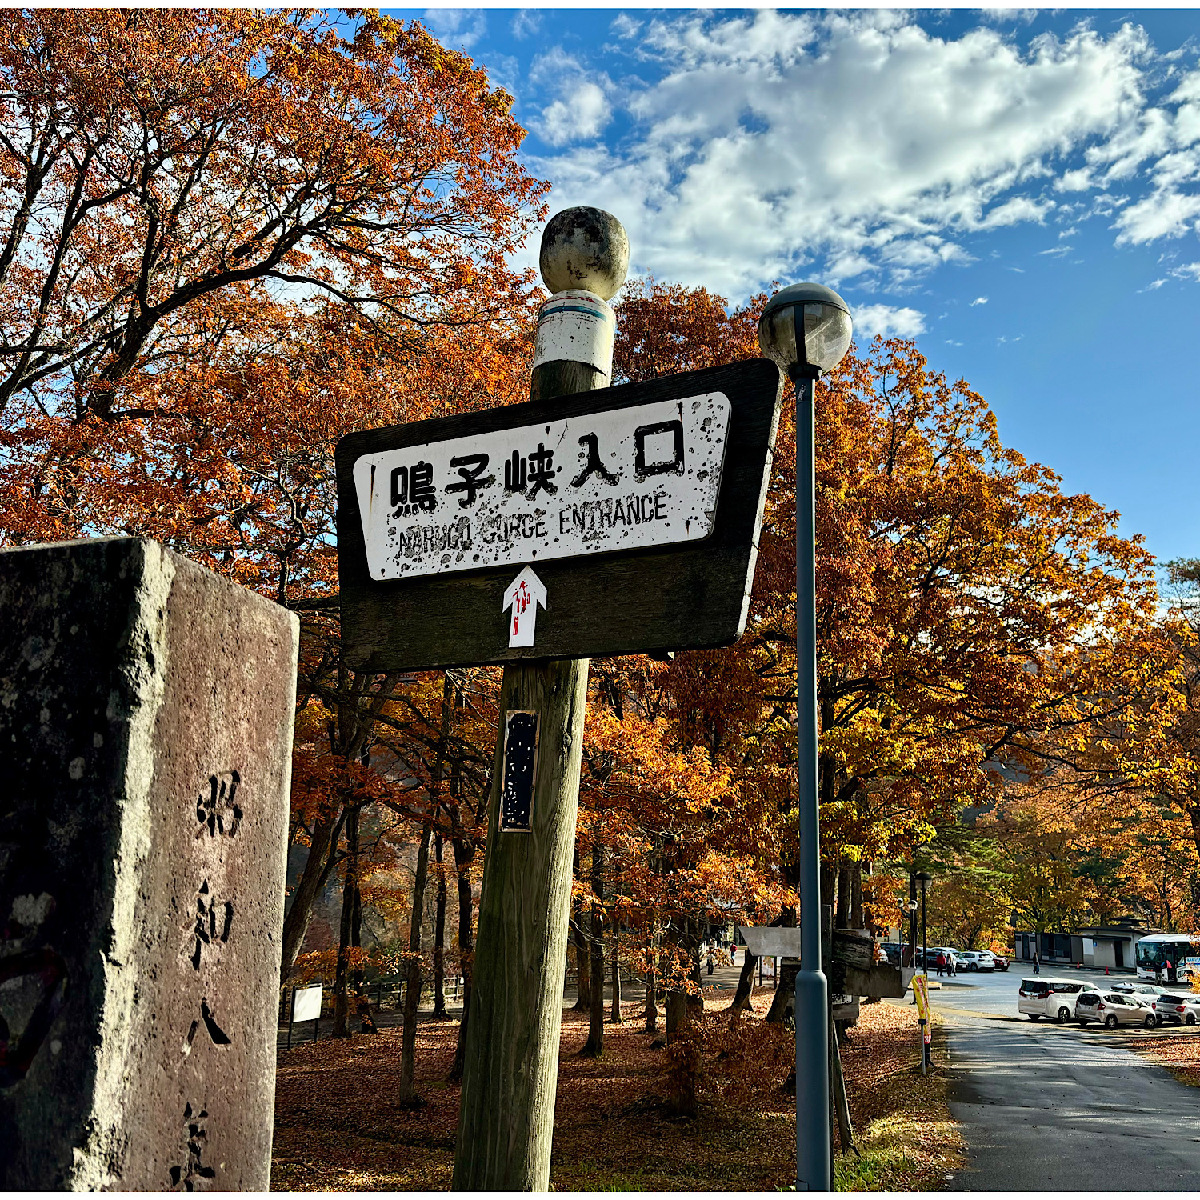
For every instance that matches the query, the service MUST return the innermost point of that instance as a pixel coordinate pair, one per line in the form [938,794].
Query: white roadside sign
[625,479]
[306,1003]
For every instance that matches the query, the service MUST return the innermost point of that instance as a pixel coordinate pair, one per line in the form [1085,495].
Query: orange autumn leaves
[970,615]
[230,237]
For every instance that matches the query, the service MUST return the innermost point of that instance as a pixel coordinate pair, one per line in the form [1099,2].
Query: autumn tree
[153,159]
[226,239]
[966,607]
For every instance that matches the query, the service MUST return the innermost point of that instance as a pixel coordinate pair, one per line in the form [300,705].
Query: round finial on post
[584,249]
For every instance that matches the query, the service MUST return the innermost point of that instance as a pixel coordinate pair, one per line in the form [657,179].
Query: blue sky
[1018,190]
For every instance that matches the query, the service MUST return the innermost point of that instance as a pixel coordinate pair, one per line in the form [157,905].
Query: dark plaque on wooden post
[617,521]
[520,770]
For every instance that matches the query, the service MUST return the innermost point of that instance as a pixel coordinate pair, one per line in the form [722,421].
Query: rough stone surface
[584,248]
[146,726]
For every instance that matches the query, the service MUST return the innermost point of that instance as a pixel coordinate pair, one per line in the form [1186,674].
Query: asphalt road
[1045,1107]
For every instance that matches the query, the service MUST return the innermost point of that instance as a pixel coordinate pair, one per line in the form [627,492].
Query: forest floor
[337,1128]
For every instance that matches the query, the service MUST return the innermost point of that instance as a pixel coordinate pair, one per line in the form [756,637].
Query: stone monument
[146,710]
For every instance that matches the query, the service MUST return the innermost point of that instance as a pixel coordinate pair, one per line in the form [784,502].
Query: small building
[1110,946]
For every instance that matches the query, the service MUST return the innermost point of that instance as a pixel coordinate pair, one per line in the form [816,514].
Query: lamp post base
[813,1168]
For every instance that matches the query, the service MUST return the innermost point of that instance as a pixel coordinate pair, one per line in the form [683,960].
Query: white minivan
[1042,997]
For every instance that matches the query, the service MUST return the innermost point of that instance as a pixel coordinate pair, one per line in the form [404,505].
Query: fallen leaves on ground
[906,1138]
[338,1126]
[1178,1051]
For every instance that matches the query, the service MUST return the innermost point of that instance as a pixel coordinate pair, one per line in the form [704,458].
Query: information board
[631,514]
[306,1003]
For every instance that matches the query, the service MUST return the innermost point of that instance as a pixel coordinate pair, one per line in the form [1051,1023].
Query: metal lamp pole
[806,329]
[924,878]
[813,1162]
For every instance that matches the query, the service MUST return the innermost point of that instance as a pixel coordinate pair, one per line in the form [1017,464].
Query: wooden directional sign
[771,941]
[609,522]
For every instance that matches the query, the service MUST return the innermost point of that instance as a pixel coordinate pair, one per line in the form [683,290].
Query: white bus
[1154,952]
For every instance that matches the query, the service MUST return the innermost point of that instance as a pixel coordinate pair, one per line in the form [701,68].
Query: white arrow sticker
[523,596]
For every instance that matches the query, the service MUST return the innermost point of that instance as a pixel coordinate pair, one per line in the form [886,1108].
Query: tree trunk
[583,964]
[413,980]
[594,1046]
[412,985]
[841,1103]
[695,998]
[784,1001]
[741,998]
[615,1012]
[439,934]
[678,1015]
[321,851]
[856,904]
[680,1006]
[651,1012]
[341,986]
[464,854]
[842,916]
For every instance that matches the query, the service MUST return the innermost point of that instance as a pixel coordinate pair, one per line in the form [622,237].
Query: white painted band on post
[576,326]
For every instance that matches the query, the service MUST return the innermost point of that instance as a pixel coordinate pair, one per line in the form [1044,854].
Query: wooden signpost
[632,519]
[588,521]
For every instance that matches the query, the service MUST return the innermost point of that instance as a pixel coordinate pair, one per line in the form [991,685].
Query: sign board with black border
[637,506]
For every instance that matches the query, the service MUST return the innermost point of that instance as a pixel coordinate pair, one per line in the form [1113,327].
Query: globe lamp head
[805,329]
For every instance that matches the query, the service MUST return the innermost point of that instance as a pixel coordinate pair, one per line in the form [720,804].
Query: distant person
[941,962]
[951,966]
[1171,974]
[732,954]
[1037,963]
[710,962]
[1158,973]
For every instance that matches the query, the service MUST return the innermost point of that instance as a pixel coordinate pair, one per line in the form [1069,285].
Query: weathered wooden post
[510,1077]
[146,710]
[630,515]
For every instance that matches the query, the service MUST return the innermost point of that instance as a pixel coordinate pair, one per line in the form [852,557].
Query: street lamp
[924,878]
[805,329]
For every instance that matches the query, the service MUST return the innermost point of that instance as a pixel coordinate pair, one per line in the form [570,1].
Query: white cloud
[456,27]
[624,26]
[882,319]
[580,110]
[1166,213]
[579,115]
[979,300]
[852,141]
[525,22]
[1012,212]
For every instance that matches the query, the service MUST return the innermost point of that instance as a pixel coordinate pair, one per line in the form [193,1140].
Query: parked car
[960,961]
[1115,1008]
[892,950]
[1045,997]
[979,960]
[1147,991]
[1180,1007]
[1002,960]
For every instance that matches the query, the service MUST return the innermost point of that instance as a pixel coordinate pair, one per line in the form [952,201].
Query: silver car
[979,960]
[1145,991]
[1114,1008]
[1180,1007]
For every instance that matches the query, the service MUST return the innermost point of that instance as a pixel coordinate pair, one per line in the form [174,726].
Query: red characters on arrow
[523,596]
